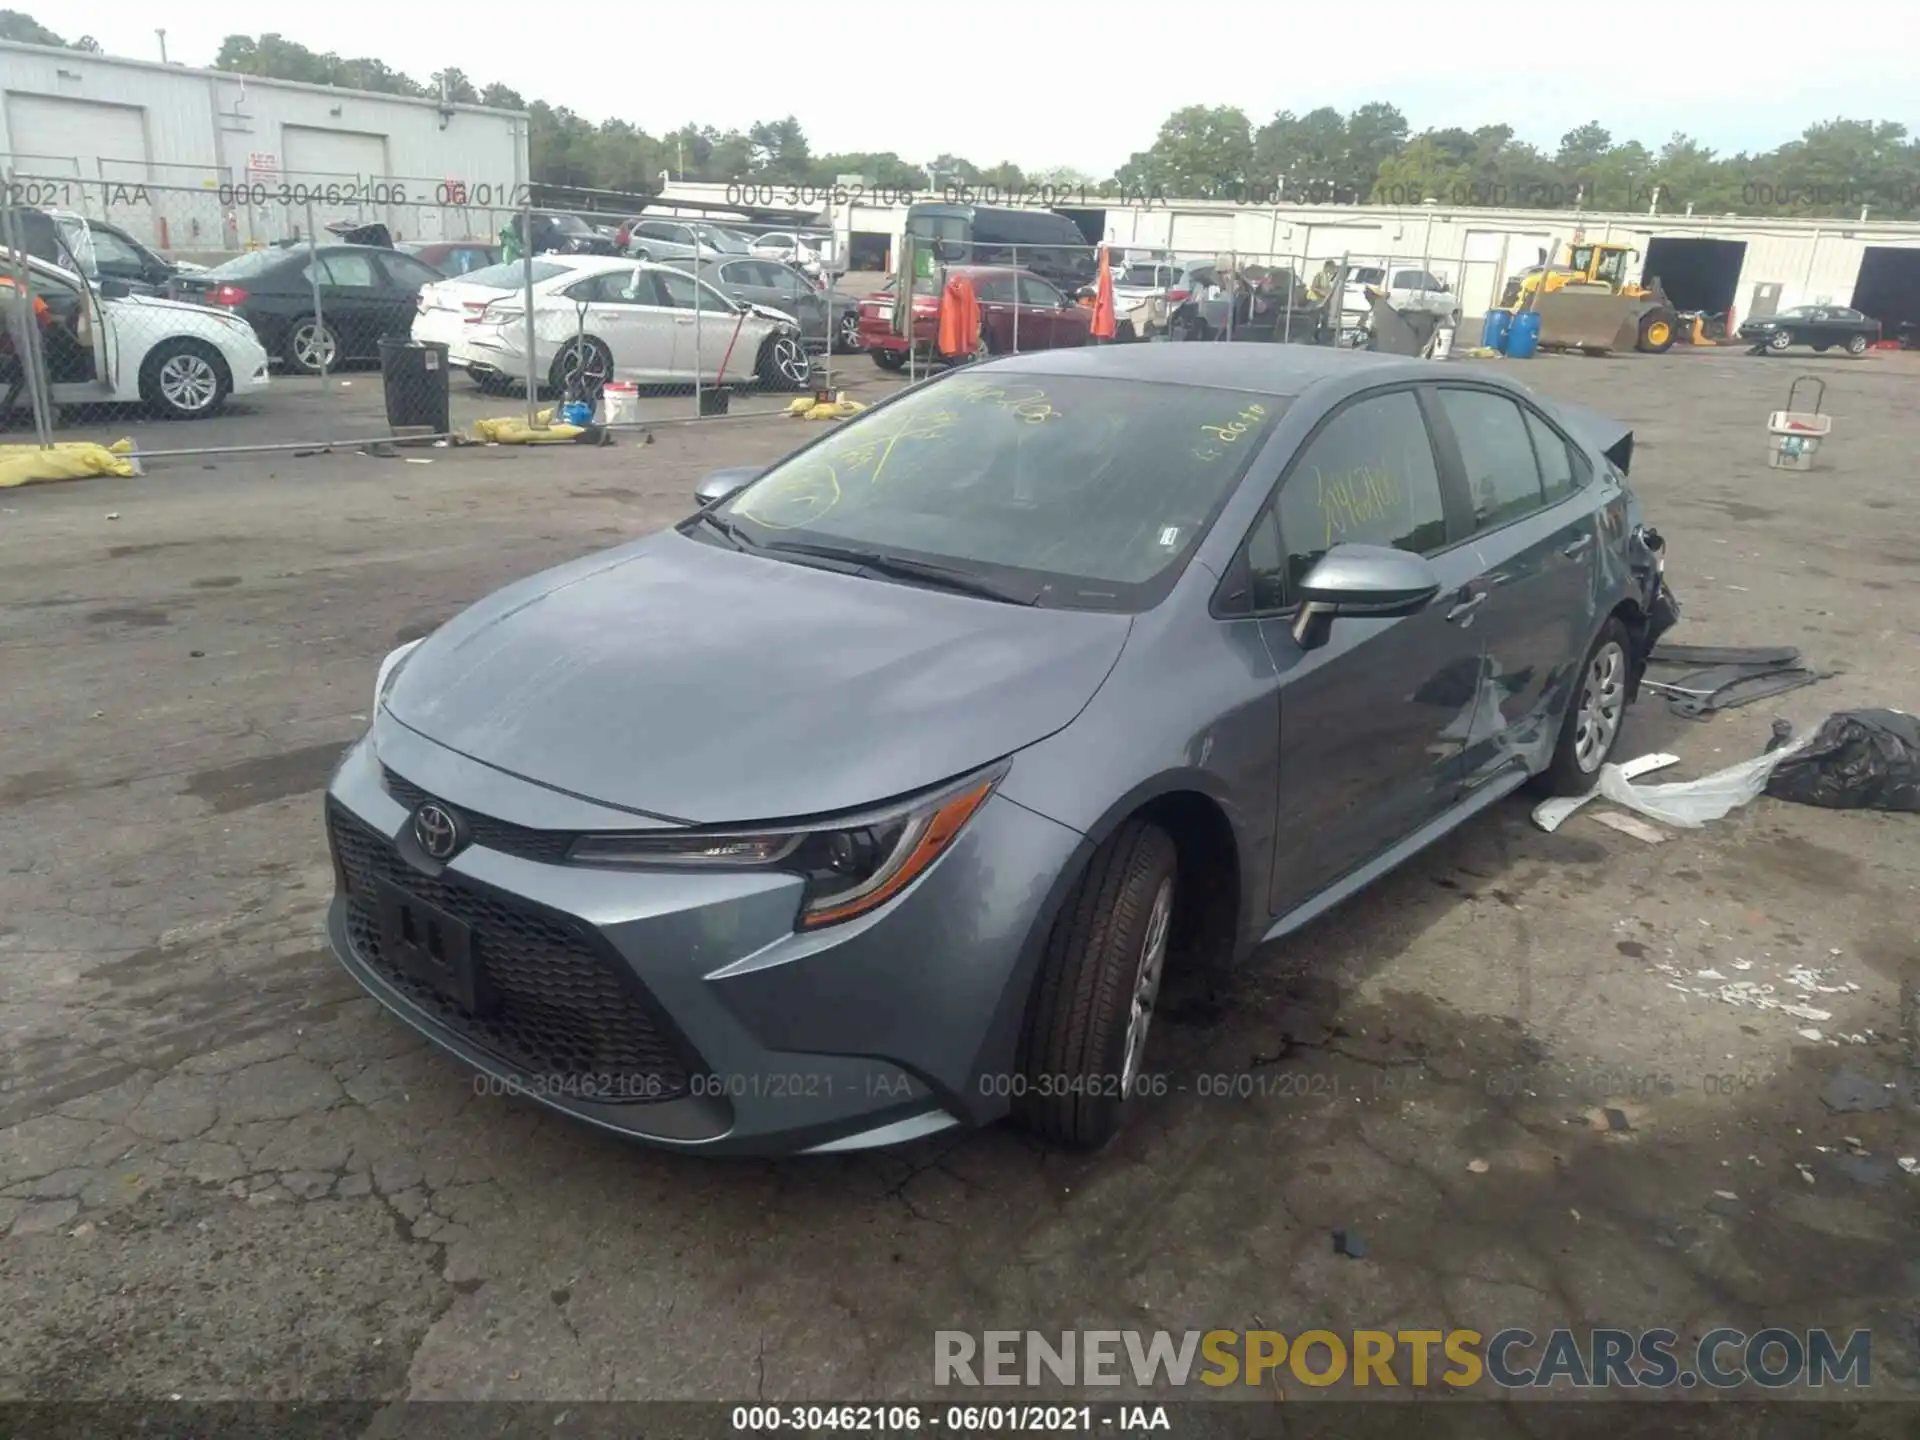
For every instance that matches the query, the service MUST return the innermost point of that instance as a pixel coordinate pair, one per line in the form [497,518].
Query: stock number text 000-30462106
[483,194]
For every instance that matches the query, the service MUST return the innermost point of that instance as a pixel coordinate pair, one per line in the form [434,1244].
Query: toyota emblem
[438,832]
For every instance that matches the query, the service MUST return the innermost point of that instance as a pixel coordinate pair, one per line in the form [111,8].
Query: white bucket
[1443,342]
[620,403]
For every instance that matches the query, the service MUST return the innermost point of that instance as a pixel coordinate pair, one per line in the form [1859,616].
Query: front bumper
[682,1008]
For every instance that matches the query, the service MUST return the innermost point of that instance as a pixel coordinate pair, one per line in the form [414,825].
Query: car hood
[702,685]
[184,311]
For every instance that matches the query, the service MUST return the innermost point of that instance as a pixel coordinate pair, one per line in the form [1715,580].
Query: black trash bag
[1858,760]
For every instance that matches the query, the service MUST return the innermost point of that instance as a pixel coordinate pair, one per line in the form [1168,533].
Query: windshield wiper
[926,572]
[728,530]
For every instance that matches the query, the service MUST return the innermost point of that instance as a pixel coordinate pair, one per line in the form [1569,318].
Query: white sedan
[599,318]
[105,345]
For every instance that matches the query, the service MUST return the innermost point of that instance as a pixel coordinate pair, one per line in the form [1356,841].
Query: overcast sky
[1085,86]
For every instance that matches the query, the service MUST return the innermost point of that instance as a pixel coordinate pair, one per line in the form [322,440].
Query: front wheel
[890,359]
[1780,342]
[184,380]
[1595,717]
[847,332]
[1094,1000]
[784,364]
[1857,345]
[1657,332]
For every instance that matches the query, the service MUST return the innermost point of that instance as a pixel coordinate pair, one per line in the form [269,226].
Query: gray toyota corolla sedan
[876,797]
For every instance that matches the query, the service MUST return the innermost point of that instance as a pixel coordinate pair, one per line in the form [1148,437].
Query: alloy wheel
[1146,984]
[188,382]
[790,360]
[313,346]
[1603,701]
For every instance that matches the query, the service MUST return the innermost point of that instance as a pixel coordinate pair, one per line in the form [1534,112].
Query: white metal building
[1715,264]
[165,150]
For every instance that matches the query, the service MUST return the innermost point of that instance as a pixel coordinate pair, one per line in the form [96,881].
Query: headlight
[389,669]
[849,869]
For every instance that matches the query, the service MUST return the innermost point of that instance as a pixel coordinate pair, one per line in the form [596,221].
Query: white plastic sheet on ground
[1687,804]
[1549,815]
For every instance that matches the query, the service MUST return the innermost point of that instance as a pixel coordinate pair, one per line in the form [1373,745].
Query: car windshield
[1798,312]
[1366,275]
[1151,275]
[513,274]
[723,240]
[1095,489]
[254,262]
[572,224]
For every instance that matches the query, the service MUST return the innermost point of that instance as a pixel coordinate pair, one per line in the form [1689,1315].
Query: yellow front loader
[1586,302]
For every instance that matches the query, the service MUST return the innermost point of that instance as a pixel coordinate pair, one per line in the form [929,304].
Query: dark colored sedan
[365,294]
[1013,691]
[781,287]
[1824,327]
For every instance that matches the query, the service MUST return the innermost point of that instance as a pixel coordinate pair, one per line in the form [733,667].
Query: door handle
[1464,610]
[1578,548]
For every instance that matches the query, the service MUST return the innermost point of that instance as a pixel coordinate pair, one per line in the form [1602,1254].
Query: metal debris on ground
[1627,825]
[1550,815]
[1909,1163]
[1478,1167]
[1349,1244]
[1617,1120]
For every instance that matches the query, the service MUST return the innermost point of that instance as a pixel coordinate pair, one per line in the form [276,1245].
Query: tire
[1780,342]
[1856,345]
[307,339]
[1091,1011]
[783,363]
[184,379]
[583,363]
[895,360]
[846,333]
[1598,704]
[1658,330]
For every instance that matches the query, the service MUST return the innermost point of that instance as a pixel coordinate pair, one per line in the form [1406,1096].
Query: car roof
[1282,370]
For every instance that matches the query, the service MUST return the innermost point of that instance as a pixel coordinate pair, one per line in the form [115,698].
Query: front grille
[548,846]
[563,1015]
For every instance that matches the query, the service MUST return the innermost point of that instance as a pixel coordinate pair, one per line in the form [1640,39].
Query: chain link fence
[340,311]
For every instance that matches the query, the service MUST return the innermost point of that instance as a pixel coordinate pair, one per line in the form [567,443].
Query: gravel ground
[223,1173]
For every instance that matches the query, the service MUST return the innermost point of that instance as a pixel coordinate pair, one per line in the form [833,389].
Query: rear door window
[1563,469]
[1503,474]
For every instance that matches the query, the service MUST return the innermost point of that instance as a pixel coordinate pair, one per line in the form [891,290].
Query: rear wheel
[847,332]
[312,346]
[1657,332]
[1099,985]
[890,359]
[1856,345]
[1595,717]
[581,370]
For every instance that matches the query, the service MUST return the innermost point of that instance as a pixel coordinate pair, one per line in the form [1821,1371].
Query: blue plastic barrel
[1493,334]
[1523,336]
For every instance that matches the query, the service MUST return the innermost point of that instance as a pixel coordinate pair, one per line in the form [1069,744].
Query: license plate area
[432,946]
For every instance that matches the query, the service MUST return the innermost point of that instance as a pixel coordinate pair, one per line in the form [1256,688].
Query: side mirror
[114,289]
[1361,582]
[722,485]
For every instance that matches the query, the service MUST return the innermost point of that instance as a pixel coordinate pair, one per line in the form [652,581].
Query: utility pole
[163,44]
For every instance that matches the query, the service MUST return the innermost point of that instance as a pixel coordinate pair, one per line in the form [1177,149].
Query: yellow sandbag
[26,464]
[514,430]
[836,410]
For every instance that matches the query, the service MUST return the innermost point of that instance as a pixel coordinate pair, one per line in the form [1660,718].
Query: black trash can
[414,375]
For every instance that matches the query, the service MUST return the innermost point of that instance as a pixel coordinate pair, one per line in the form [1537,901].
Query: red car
[1047,319]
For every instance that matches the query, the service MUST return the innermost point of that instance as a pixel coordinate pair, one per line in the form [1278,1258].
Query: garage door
[331,156]
[56,136]
[1202,235]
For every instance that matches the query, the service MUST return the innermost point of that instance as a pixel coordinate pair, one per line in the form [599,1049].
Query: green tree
[1006,177]
[953,170]
[1306,155]
[455,85]
[1203,150]
[23,29]
[777,150]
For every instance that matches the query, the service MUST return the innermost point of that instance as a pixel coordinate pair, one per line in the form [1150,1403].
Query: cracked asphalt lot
[223,1173]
